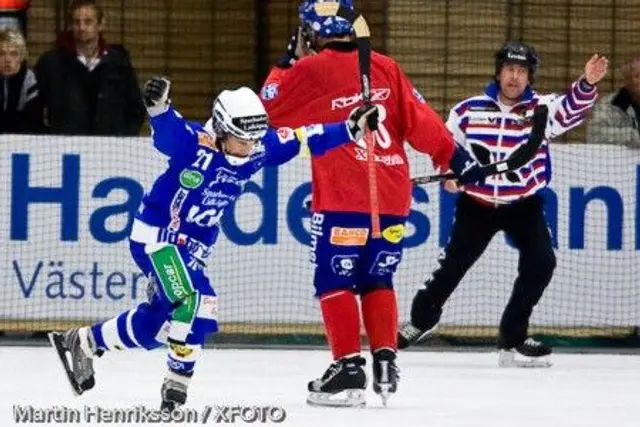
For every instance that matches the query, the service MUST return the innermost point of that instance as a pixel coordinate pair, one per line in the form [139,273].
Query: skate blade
[508,359]
[56,339]
[354,398]
[385,393]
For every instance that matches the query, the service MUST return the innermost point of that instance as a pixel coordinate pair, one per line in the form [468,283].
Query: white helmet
[239,113]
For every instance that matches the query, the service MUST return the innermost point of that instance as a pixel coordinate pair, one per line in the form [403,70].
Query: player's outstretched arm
[169,130]
[570,109]
[284,144]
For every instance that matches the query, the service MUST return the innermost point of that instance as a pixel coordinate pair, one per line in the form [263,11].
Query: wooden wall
[446,46]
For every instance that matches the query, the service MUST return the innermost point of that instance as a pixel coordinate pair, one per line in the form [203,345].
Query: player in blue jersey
[177,225]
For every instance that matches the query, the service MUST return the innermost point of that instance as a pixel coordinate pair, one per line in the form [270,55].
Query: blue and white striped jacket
[491,131]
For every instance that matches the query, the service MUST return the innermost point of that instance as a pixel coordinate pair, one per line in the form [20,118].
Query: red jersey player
[323,86]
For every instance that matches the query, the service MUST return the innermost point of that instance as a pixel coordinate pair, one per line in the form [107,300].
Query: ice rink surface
[436,389]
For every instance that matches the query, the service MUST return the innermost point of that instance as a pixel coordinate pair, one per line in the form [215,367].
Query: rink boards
[68,202]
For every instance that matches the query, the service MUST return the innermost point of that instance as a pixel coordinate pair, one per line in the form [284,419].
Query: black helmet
[518,53]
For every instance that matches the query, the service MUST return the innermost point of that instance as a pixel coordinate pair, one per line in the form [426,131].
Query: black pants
[474,227]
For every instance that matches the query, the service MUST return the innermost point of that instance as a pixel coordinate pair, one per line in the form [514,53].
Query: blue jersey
[190,197]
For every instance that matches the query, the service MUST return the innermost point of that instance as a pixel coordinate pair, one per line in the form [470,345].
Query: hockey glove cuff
[466,169]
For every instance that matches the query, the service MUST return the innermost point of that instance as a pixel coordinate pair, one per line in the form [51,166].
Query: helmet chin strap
[222,146]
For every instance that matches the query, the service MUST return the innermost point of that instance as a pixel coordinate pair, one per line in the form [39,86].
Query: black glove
[289,58]
[466,169]
[362,118]
[155,93]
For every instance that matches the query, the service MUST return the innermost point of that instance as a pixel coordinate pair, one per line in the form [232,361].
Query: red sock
[380,314]
[341,322]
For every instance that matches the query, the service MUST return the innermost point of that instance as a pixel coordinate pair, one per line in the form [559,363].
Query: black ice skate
[529,354]
[385,374]
[410,334]
[75,349]
[342,384]
[174,391]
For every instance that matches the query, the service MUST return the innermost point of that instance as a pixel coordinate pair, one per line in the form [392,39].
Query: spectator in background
[615,118]
[89,87]
[13,15]
[20,109]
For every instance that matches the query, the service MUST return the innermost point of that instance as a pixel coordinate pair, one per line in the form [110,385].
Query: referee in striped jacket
[491,126]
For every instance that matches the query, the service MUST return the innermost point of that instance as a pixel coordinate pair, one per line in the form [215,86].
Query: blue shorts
[345,255]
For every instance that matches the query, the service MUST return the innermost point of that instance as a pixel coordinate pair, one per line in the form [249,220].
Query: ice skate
[342,384]
[75,349]
[174,391]
[385,374]
[410,334]
[529,354]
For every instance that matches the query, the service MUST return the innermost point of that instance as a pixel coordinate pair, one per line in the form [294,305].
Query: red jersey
[326,88]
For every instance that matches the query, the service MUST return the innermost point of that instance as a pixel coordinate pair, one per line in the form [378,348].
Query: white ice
[436,389]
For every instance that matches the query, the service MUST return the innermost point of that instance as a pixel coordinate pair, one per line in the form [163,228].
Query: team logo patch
[386,263]
[418,96]
[206,140]
[191,179]
[349,236]
[269,92]
[344,265]
[285,135]
[394,234]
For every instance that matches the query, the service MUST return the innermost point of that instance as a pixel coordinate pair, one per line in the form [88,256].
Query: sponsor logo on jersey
[176,206]
[206,140]
[285,135]
[418,96]
[191,179]
[269,92]
[386,263]
[344,265]
[208,308]
[216,198]
[172,276]
[227,176]
[377,95]
[394,234]
[349,236]
[386,159]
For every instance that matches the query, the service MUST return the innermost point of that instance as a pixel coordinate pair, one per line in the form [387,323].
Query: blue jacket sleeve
[172,133]
[283,144]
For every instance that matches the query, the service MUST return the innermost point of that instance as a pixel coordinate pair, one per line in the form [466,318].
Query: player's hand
[466,169]
[303,48]
[297,48]
[451,186]
[595,69]
[156,92]
[362,119]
